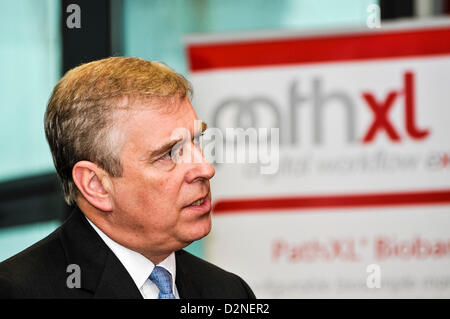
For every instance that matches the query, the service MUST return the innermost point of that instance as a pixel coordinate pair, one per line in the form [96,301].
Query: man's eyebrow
[164,148]
[168,146]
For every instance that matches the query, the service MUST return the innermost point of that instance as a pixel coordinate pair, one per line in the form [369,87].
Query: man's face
[152,199]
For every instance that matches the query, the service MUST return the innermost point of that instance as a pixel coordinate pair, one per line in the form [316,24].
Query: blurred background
[37,47]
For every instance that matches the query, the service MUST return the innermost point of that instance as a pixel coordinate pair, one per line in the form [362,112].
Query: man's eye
[166,162]
[176,151]
[166,156]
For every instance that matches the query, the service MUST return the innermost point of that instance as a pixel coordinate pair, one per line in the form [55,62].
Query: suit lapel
[187,288]
[102,273]
[115,281]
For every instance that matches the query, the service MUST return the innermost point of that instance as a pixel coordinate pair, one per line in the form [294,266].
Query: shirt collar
[137,265]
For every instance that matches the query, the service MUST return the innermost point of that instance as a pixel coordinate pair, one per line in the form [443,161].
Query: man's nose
[200,168]
[207,171]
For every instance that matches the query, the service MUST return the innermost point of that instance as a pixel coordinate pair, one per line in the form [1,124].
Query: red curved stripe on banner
[331,201]
[319,49]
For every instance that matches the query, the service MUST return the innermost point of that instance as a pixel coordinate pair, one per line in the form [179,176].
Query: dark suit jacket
[40,270]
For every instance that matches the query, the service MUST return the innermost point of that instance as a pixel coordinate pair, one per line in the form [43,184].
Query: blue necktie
[163,280]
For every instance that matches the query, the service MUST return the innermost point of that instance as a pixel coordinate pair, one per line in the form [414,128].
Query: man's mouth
[198,202]
[202,204]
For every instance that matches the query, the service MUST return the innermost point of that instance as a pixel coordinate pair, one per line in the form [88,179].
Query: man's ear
[94,184]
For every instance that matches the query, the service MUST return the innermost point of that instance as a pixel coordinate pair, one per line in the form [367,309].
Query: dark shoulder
[28,273]
[213,278]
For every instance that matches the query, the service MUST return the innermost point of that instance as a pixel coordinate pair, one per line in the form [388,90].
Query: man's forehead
[184,120]
[159,113]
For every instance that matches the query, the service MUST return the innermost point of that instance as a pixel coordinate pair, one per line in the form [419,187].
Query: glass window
[154,30]
[30,67]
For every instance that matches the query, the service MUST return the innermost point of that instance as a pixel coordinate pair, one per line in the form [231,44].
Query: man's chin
[198,234]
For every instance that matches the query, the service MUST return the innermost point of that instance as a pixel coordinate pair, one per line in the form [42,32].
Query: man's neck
[93,215]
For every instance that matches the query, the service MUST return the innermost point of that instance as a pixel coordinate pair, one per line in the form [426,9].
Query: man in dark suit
[124,140]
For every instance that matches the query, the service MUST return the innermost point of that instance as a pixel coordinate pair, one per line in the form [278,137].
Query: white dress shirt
[139,267]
